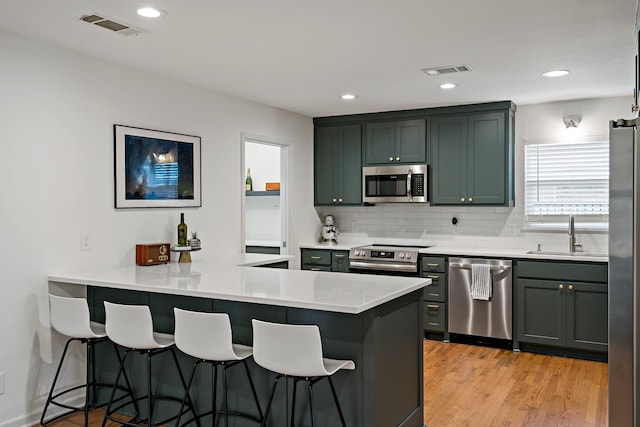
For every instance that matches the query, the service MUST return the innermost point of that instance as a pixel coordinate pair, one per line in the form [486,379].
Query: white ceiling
[301,55]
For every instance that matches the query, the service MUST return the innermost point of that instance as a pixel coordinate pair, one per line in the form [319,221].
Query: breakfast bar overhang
[374,320]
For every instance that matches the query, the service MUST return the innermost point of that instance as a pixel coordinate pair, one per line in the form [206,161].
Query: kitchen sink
[567,253]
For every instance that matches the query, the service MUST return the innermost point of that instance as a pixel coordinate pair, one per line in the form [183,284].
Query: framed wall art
[156,169]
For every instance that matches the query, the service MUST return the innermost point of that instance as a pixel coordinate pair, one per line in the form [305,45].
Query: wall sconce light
[571,121]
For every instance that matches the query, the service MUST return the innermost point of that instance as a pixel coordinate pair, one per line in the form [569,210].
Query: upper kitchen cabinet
[472,158]
[338,165]
[396,142]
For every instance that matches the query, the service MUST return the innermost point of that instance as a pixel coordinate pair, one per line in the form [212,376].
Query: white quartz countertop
[439,249]
[237,279]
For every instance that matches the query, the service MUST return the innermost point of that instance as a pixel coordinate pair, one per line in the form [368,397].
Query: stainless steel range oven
[385,259]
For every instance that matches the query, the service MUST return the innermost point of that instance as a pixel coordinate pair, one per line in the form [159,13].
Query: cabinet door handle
[433,306]
[432,277]
[391,158]
[462,199]
[433,265]
[315,257]
[470,199]
[570,287]
[433,324]
[560,286]
[339,255]
[333,200]
[397,159]
[315,269]
[340,200]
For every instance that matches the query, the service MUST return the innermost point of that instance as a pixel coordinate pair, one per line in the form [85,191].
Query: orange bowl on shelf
[272,186]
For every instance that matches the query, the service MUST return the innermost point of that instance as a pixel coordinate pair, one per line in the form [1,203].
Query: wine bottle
[249,181]
[182,232]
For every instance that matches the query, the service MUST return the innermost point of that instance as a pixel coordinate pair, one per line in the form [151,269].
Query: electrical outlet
[1,382]
[85,241]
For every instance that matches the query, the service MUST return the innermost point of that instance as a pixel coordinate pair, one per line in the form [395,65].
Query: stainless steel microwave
[394,184]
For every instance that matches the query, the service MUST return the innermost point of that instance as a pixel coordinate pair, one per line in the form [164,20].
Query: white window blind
[567,178]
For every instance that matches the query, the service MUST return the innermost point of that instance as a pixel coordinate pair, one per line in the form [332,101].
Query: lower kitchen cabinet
[435,296]
[325,260]
[563,305]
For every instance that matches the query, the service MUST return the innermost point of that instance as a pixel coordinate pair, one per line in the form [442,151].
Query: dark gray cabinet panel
[435,295]
[337,165]
[541,308]
[325,260]
[435,315]
[472,159]
[486,159]
[396,142]
[448,160]
[555,309]
[587,316]
[340,261]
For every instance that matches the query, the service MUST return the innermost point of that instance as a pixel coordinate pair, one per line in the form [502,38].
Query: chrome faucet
[572,235]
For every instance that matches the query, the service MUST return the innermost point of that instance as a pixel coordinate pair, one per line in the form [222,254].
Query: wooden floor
[478,386]
[468,385]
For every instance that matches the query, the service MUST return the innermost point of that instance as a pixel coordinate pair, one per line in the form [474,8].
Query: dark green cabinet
[562,304]
[325,260]
[396,142]
[472,159]
[435,295]
[340,261]
[337,165]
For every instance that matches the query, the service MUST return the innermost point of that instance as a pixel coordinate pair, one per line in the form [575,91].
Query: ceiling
[301,55]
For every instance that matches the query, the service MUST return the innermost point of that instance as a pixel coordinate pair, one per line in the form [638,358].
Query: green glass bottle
[248,182]
[182,232]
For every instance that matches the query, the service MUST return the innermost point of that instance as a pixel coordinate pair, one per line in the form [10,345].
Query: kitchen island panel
[384,342]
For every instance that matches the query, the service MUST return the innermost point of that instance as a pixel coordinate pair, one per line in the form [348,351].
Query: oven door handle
[409,185]
[409,268]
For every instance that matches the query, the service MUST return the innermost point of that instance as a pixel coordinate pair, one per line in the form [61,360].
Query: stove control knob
[408,255]
[401,254]
[356,252]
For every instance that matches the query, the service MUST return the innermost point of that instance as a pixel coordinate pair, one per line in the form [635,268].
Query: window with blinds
[567,178]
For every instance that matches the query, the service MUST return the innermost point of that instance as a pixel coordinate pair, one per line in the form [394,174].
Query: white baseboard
[33,418]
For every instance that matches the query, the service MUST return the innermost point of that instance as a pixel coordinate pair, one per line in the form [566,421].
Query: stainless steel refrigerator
[623,274]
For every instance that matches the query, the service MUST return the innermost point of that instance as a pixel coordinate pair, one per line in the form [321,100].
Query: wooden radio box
[152,253]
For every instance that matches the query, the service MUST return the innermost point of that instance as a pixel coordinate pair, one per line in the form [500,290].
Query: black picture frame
[156,169]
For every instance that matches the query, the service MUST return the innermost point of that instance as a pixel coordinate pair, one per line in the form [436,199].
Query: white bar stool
[70,316]
[295,351]
[131,326]
[208,338]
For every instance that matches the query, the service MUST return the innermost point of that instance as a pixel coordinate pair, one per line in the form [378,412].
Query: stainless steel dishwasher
[492,318]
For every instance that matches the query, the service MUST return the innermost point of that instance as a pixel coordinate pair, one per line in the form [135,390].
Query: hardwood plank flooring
[468,385]
[473,386]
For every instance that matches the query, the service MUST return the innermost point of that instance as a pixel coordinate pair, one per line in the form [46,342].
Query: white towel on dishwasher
[481,281]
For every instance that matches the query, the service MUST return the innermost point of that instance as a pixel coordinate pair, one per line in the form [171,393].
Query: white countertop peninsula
[376,321]
[236,279]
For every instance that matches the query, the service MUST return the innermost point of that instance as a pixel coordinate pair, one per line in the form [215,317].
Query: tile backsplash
[477,227]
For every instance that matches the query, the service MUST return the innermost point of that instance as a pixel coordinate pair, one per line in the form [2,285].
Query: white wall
[488,226]
[57,110]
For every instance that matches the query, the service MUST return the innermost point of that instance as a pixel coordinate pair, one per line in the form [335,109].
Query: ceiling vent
[446,70]
[110,24]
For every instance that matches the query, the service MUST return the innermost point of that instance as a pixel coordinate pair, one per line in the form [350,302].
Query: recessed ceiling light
[348,96]
[447,85]
[555,73]
[149,12]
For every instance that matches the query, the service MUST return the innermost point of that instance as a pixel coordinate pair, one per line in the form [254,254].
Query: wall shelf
[262,193]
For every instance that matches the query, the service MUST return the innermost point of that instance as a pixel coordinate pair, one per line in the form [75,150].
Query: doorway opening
[264,207]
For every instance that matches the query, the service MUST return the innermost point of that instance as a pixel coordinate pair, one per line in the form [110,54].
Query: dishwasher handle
[468,266]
